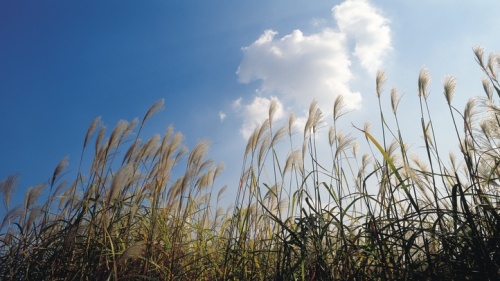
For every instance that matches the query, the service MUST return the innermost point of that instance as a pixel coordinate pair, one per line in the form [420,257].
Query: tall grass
[309,204]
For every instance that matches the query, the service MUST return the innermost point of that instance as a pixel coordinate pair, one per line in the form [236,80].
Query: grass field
[130,215]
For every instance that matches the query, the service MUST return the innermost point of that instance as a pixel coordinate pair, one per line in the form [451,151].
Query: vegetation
[138,213]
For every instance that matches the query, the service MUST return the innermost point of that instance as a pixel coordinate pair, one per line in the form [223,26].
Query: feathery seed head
[121,179]
[469,110]
[492,63]
[99,138]
[343,142]
[395,99]
[278,135]
[117,134]
[135,251]
[150,147]
[263,129]
[338,105]
[58,169]
[314,119]
[7,188]
[272,110]
[355,148]
[11,215]
[176,142]
[91,130]
[34,213]
[486,127]
[423,83]
[157,106]
[131,151]
[479,52]
[331,136]
[293,160]
[198,154]
[487,88]
[252,142]
[32,195]
[131,126]
[313,106]
[219,169]
[367,126]
[264,147]
[291,120]
[221,191]
[449,88]
[365,160]
[380,82]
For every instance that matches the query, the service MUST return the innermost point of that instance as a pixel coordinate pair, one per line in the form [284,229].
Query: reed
[313,203]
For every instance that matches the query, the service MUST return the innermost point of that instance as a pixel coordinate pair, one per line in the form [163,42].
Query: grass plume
[306,207]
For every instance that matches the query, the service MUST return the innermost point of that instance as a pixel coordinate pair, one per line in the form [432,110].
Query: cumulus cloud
[297,68]
[257,112]
[369,30]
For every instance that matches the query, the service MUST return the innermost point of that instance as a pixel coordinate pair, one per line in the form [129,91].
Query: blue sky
[217,64]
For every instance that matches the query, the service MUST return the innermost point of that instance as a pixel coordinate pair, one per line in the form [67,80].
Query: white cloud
[298,68]
[222,116]
[257,112]
[368,28]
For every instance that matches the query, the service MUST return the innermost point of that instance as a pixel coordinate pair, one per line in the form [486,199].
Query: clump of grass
[309,206]
[128,216]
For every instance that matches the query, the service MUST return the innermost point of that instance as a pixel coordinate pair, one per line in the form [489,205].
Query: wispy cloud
[297,68]
[222,116]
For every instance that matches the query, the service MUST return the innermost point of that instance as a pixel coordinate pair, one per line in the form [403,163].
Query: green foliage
[298,214]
